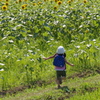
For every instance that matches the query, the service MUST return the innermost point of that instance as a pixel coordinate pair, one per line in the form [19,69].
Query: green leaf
[45,34]
[47,28]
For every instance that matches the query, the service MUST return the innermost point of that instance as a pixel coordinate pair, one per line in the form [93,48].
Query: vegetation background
[30,30]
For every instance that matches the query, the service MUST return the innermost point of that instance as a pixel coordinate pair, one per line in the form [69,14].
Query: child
[60,71]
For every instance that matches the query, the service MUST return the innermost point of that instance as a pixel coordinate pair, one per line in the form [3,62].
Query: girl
[60,71]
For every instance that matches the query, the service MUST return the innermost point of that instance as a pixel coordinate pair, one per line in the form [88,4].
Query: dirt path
[22,88]
[74,83]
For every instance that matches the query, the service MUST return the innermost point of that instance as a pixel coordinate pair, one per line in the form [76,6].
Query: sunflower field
[32,29]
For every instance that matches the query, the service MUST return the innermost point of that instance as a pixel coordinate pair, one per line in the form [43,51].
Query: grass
[80,89]
[29,32]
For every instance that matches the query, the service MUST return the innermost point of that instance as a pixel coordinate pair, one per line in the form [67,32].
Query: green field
[33,29]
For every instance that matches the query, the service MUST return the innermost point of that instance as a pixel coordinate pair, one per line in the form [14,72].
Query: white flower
[30,51]
[80,26]
[38,49]
[26,55]
[15,28]
[4,38]
[82,42]
[48,41]
[2,64]
[42,55]
[66,11]
[52,39]
[64,25]
[11,41]
[31,59]
[56,22]
[94,39]
[97,47]
[1,70]
[82,51]
[30,35]
[72,41]
[89,45]
[75,55]
[77,47]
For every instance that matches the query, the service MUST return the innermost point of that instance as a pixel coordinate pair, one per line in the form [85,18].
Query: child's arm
[68,63]
[49,57]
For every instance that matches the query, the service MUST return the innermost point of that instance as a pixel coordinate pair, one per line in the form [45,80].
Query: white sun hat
[60,50]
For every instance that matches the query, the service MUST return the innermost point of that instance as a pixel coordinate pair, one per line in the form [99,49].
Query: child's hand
[44,58]
[72,64]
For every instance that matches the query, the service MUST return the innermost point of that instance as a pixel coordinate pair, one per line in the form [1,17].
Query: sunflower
[23,7]
[59,2]
[7,3]
[34,4]
[25,0]
[85,1]
[56,0]
[20,0]
[55,7]
[7,0]
[4,7]
[87,31]
[39,3]
[72,0]
[69,1]
[16,1]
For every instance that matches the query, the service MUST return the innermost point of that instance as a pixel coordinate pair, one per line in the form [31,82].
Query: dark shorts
[60,74]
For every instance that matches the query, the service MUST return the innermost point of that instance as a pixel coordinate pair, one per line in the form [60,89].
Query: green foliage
[79,89]
[28,34]
[87,96]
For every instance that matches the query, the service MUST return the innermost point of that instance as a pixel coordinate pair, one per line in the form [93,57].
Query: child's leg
[59,79]
[64,75]
[63,78]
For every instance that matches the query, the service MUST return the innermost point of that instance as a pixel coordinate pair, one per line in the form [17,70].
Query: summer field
[33,29]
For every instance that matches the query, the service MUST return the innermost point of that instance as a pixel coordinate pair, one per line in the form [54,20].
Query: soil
[84,74]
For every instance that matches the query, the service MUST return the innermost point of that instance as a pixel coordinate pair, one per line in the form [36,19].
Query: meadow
[33,29]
